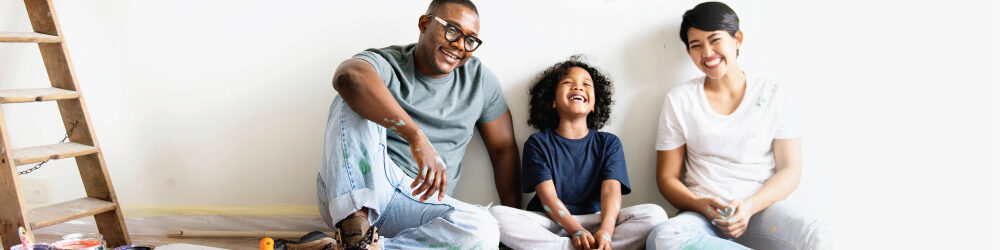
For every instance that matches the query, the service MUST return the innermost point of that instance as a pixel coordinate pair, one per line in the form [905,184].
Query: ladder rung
[35,154]
[36,95]
[28,37]
[66,211]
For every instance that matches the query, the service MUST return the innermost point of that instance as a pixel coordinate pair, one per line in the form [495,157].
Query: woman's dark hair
[710,16]
[543,92]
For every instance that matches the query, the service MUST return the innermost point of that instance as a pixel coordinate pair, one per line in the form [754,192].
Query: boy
[576,170]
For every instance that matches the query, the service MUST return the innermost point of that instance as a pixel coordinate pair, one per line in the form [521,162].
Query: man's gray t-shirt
[447,109]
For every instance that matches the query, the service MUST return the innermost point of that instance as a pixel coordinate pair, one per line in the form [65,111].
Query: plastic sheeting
[160,225]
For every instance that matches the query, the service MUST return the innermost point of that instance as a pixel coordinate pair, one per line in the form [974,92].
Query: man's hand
[432,177]
[583,240]
[604,238]
[735,225]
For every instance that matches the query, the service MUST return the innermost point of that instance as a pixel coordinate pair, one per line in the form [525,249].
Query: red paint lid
[76,244]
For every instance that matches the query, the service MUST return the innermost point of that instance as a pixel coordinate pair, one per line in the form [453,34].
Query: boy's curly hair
[543,92]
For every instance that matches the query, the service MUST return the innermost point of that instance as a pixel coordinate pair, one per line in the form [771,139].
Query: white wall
[222,103]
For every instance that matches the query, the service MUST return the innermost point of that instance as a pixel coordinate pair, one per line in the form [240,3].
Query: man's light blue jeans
[780,226]
[357,173]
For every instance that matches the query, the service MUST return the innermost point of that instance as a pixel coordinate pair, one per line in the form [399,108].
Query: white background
[223,103]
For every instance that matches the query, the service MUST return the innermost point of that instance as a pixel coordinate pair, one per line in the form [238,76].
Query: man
[398,130]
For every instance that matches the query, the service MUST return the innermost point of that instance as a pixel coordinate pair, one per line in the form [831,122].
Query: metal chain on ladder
[39,165]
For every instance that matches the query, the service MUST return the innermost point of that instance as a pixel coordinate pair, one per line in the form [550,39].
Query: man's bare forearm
[507,174]
[364,91]
[498,136]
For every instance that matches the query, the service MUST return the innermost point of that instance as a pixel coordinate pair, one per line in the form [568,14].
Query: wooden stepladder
[65,91]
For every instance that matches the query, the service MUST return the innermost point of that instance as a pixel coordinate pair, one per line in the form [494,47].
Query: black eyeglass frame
[461,33]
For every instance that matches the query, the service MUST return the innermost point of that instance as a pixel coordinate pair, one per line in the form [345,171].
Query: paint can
[36,246]
[131,247]
[78,244]
[84,236]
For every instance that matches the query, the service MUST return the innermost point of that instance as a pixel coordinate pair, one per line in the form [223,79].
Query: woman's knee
[664,234]
[667,229]
[811,231]
[677,227]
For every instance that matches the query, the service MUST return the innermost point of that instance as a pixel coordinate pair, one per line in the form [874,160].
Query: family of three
[728,151]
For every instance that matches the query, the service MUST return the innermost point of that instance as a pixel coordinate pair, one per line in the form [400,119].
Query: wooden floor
[147,240]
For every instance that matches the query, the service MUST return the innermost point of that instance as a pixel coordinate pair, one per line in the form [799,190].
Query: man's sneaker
[315,240]
[357,234]
[365,241]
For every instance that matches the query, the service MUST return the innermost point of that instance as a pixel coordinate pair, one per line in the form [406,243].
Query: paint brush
[25,240]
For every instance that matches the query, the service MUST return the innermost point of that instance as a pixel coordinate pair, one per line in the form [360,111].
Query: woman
[741,138]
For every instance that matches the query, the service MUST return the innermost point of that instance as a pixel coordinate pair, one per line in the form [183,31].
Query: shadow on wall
[14,15]
[656,62]
[477,185]
[520,111]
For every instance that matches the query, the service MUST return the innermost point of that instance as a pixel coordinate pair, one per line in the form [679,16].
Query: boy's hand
[604,238]
[583,240]
[432,177]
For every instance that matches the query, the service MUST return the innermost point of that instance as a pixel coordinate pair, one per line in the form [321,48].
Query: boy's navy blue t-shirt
[577,167]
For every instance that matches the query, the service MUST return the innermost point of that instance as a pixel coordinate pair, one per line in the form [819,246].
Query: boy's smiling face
[574,94]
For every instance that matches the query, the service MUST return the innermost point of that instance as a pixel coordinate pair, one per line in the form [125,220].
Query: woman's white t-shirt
[728,156]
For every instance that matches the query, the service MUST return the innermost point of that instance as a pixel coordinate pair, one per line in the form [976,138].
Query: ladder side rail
[92,168]
[12,205]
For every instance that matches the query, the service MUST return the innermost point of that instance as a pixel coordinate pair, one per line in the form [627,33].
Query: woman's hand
[709,207]
[432,177]
[582,239]
[604,238]
[736,224]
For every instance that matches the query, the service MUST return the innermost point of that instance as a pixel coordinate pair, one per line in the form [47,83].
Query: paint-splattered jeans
[357,173]
[780,226]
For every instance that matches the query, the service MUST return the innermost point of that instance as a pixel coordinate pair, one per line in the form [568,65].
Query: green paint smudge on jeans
[345,153]
[363,163]
[444,245]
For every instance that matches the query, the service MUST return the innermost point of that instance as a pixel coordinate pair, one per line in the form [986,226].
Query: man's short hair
[436,4]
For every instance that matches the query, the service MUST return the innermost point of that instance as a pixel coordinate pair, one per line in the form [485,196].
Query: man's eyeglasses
[452,33]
